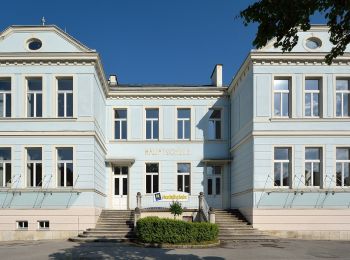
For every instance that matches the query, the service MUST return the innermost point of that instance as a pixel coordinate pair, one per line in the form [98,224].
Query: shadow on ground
[121,251]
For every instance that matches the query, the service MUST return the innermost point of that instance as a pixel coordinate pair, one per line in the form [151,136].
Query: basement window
[43,224]
[22,224]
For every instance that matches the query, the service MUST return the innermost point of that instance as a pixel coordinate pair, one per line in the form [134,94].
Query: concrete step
[126,229]
[102,239]
[124,235]
[115,225]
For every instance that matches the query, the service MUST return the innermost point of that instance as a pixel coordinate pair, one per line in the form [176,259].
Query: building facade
[274,143]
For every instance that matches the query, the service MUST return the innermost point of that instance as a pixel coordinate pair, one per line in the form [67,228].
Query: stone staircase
[112,226]
[234,227]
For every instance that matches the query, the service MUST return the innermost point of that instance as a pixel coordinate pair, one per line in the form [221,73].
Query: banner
[171,196]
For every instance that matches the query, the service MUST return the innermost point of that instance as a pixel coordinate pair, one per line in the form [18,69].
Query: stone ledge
[180,246]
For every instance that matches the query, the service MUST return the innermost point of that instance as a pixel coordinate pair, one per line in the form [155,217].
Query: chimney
[113,80]
[216,76]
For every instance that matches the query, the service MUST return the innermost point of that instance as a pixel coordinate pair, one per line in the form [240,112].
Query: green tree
[176,208]
[281,19]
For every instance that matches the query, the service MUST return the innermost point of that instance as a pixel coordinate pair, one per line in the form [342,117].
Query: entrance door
[120,187]
[214,186]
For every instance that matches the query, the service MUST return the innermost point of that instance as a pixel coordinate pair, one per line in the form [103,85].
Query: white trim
[183,123]
[291,166]
[291,95]
[55,163]
[43,175]
[127,120]
[320,92]
[153,173]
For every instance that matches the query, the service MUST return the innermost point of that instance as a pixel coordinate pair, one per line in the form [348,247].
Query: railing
[205,207]
[72,190]
[11,181]
[45,190]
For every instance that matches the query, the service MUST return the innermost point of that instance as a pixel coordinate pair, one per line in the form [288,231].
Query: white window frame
[121,120]
[152,120]
[45,227]
[65,92]
[183,122]
[312,93]
[342,162]
[280,93]
[183,174]
[214,178]
[65,167]
[4,93]
[342,92]
[4,162]
[22,221]
[151,174]
[35,93]
[281,162]
[216,120]
[35,162]
[312,161]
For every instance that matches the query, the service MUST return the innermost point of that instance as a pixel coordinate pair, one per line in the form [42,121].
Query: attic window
[34,44]
[313,43]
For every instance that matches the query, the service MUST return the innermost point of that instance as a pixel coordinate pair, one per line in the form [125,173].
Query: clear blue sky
[148,41]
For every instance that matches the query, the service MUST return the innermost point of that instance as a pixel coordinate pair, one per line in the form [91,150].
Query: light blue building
[274,144]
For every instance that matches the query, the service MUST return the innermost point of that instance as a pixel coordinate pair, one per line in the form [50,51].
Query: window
[34,167]
[282,166]
[342,167]
[342,97]
[43,224]
[313,166]
[34,44]
[214,180]
[312,97]
[22,224]
[121,180]
[214,131]
[34,97]
[183,177]
[184,123]
[65,97]
[281,97]
[65,166]
[152,124]
[5,97]
[120,124]
[5,167]
[152,177]
[313,43]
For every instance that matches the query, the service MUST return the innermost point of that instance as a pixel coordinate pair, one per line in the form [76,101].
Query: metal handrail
[8,188]
[71,191]
[39,190]
[295,192]
[205,209]
[263,193]
[14,190]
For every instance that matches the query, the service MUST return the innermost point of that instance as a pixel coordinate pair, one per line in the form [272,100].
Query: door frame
[111,185]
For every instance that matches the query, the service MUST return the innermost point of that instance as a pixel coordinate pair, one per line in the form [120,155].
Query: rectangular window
[65,168]
[183,177]
[43,224]
[5,97]
[22,224]
[34,97]
[5,167]
[281,97]
[313,166]
[342,167]
[120,124]
[342,94]
[152,123]
[183,123]
[312,97]
[34,167]
[214,131]
[152,177]
[65,97]
[214,173]
[282,166]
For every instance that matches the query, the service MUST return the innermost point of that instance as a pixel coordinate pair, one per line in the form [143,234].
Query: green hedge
[162,230]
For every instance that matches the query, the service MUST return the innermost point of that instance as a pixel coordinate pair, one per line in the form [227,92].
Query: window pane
[60,174]
[39,175]
[339,174]
[315,105]
[30,105]
[1,105]
[155,130]
[60,104]
[218,129]
[277,104]
[116,186]
[215,113]
[125,170]
[124,130]
[312,153]
[277,174]
[30,174]
[65,84]
[187,184]
[346,174]
[285,104]
[34,153]
[183,167]
[179,130]
[308,180]
[281,153]
[342,84]
[69,105]
[281,84]
[317,174]
[179,182]
[211,130]
[339,104]
[217,170]
[148,130]
[117,130]
[125,186]
[183,113]
[148,183]
[152,113]
[8,105]
[307,104]
[39,105]
[5,154]
[152,167]
[69,172]
[312,84]
[120,113]
[210,186]
[8,174]
[218,186]
[34,84]
[5,84]
[65,153]
[343,154]
[285,174]
[2,184]
[345,105]
[155,183]
[187,129]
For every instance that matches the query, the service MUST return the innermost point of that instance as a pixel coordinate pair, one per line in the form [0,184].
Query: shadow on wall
[121,251]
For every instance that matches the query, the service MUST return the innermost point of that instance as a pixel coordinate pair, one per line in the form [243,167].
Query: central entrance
[120,187]
[213,187]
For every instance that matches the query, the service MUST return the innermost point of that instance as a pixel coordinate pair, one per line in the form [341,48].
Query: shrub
[176,208]
[161,230]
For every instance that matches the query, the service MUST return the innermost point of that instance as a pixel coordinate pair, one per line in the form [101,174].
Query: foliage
[176,208]
[282,18]
[161,230]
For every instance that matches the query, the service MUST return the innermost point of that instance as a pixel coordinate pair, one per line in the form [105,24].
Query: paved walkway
[285,249]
